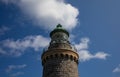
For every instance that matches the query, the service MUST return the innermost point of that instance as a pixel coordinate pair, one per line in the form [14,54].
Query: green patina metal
[59,29]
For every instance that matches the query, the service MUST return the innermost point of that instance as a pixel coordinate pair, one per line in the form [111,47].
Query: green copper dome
[59,29]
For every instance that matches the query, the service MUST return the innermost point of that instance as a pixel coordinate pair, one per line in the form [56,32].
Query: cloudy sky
[94,27]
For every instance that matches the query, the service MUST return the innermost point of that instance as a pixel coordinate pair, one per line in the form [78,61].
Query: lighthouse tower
[60,58]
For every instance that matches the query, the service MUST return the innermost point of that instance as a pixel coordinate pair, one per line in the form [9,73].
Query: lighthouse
[60,58]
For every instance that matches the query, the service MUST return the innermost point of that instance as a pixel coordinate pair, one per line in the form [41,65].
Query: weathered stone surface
[59,67]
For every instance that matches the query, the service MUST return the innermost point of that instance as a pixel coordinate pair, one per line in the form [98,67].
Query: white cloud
[2,52]
[11,70]
[16,74]
[84,54]
[18,47]
[117,69]
[3,29]
[83,44]
[14,67]
[101,55]
[48,13]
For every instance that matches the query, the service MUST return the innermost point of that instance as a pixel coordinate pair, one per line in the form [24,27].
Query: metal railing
[72,47]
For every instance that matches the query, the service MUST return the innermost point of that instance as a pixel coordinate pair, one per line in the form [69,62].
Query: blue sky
[93,26]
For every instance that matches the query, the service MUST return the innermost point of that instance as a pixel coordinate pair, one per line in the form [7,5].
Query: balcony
[61,46]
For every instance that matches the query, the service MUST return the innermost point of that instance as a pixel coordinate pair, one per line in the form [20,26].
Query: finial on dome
[59,25]
[59,29]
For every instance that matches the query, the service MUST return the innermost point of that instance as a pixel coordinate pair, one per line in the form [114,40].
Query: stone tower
[60,59]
